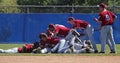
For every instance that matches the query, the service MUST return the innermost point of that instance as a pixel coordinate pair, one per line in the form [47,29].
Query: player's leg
[60,45]
[71,34]
[70,44]
[68,51]
[91,50]
[109,43]
[45,50]
[78,40]
[1,51]
[103,37]
[76,48]
[84,43]
[70,38]
[82,38]
[55,48]
[82,50]
[64,49]
[89,30]
[13,50]
[71,41]
[111,38]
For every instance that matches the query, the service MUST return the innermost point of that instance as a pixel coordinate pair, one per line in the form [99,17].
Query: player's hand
[95,19]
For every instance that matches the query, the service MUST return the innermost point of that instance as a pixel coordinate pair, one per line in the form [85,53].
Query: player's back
[106,17]
[52,41]
[29,48]
[62,30]
[80,24]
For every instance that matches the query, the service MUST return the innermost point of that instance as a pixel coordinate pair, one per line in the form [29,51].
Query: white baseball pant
[60,45]
[89,32]
[45,50]
[77,49]
[107,34]
[12,50]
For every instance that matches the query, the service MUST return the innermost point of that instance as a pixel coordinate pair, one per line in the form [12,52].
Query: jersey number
[107,17]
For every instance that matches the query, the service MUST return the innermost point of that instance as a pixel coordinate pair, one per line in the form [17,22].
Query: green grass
[7,46]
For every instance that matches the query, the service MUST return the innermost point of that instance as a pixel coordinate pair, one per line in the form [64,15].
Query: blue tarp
[25,28]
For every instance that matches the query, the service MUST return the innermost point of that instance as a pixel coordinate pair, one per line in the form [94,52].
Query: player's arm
[98,19]
[99,27]
[114,16]
[75,27]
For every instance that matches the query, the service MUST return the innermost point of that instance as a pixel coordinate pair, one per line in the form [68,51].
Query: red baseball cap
[103,5]
[71,18]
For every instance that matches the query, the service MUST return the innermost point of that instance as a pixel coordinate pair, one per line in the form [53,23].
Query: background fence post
[114,6]
[25,24]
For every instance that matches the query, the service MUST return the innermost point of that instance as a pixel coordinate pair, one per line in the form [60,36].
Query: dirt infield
[60,59]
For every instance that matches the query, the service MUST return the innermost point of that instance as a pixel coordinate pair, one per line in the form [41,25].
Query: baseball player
[106,19]
[47,43]
[61,30]
[27,48]
[66,33]
[86,27]
[68,43]
[78,48]
[57,30]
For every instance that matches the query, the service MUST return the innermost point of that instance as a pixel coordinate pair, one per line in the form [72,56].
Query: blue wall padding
[25,28]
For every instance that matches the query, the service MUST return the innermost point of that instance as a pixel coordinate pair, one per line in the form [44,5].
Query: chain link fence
[53,9]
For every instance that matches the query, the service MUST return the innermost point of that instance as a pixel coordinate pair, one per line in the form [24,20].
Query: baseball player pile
[61,39]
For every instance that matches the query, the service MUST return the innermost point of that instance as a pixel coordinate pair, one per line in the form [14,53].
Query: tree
[9,9]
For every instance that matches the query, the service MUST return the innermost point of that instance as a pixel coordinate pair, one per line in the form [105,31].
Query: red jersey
[80,24]
[28,48]
[49,41]
[107,18]
[61,30]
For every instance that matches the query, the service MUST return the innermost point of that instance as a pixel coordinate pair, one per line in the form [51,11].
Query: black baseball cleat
[102,52]
[1,51]
[113,52]
[75,33]
[87,50]
[96,51]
